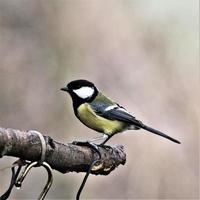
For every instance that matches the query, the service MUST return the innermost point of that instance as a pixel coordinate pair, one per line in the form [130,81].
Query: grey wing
[115,112]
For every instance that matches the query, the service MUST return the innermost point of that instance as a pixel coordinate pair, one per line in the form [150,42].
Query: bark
[61,157]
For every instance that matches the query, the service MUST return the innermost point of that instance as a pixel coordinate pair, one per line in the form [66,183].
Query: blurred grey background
[143,54]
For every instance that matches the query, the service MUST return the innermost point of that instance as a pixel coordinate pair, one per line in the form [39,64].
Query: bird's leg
[98,138]
[107,137]
[106,140]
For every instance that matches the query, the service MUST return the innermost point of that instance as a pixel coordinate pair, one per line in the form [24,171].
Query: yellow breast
[88,117]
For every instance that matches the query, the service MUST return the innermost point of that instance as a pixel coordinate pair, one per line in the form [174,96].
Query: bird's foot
[91,145]
[106,147]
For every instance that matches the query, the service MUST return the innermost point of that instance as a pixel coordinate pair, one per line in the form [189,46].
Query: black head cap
[76,84]
[81,91]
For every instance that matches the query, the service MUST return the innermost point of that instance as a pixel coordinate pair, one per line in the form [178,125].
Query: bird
[100,113]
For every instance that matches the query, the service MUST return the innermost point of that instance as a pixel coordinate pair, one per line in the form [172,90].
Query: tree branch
[61,157]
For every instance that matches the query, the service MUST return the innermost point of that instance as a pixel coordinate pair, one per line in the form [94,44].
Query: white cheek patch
[84,92]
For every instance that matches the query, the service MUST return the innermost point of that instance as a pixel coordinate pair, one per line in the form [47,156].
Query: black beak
[65,89]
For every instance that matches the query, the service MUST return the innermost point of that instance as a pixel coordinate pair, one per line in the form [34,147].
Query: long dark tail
[152,130]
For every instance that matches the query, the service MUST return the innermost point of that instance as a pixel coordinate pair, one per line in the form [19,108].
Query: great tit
[101,114]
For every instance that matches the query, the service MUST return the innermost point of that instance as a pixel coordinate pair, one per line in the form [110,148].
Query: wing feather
[115,113]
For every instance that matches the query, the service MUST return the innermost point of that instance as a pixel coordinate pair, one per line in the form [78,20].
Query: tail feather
[157,132]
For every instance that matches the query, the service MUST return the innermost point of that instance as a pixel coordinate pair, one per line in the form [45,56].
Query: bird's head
[81,90]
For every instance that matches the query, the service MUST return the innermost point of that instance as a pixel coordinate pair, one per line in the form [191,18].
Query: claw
[91,145]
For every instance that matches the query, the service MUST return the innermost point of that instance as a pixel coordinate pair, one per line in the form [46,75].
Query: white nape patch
[84,92]
[111,107]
